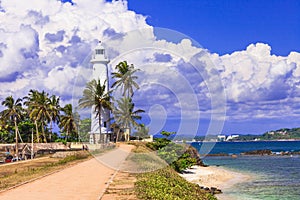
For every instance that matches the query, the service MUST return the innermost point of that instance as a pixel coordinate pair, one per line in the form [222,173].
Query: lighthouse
[100,71]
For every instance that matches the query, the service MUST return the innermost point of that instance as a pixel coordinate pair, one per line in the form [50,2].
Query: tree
[39,110]
[84,129]
[54,109]
[13,111]
[95,95]
[68,121]
[126,78]
[125,115]
[142,131]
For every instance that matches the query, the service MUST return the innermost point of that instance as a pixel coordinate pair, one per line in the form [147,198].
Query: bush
[166,184]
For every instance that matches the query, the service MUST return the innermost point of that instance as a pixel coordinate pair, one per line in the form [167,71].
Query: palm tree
[38,106]
[95,95]
[68,121]
[30,101]
[13,112]
[54,109]
[142,131]
[125,115]
[126,78]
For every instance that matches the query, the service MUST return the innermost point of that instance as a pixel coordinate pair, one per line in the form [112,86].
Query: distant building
[232,137]
[221,138]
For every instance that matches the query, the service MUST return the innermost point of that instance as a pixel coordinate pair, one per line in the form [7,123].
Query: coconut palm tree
[125,78]
[125,115]
[39,111]
[68,121]
[30,101]
[13,112]
[95,95]
[54,109]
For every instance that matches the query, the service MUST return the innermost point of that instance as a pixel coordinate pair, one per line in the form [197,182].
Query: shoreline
[213,176]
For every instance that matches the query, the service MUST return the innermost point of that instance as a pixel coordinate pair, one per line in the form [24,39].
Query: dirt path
[85,181]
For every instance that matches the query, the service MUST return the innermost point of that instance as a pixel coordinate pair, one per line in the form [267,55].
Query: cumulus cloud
[46,45]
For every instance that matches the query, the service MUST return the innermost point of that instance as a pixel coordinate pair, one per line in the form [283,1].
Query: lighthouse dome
[99,54]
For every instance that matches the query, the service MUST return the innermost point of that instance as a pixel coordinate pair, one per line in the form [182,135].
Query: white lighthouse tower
[100,71]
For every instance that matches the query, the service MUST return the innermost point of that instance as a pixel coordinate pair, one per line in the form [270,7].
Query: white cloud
[46,44]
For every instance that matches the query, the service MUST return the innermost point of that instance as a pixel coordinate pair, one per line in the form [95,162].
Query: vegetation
[161,181]
[68,122]
[37,111]
[284,133]
[168,185]
[125,78]
[178,156]
[124,114]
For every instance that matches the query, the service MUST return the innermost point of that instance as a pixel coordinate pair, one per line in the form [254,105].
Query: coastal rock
[212,190]
[195,154]
[258,152]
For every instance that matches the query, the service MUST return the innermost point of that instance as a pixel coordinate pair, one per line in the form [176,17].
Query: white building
[221,138]
[100,71]
[232,137]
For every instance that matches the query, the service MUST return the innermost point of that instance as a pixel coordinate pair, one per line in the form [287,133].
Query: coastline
[213,176]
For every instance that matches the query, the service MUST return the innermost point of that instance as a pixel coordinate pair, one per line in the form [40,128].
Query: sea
[274,177]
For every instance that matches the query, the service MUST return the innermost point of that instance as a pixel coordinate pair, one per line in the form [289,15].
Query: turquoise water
[275,177]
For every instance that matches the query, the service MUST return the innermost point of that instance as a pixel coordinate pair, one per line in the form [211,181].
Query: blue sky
[218,67]
[226,26]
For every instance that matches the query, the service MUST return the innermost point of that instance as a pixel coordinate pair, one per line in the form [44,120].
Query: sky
[206,67]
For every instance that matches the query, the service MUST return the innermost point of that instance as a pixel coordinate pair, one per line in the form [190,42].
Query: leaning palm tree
[125,78]
[13,112]
[68,121]
[125,115]
[96,97]
[54,109]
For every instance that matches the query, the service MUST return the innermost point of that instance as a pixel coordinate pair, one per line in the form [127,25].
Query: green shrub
[166,184]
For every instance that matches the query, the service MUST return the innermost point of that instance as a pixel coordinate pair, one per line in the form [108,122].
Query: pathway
[84,181]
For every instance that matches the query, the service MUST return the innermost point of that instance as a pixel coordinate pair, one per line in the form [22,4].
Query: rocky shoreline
[214,179]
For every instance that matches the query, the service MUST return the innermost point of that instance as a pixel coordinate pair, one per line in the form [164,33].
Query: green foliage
[284,133]
[68,123]
[61,140]
[158,143]
[84,129]
[71,158]
[176,155]
[184,161]
[167,134]
[166,184]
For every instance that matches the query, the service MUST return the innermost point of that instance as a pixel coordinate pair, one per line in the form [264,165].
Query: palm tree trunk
[16,135]
[118,133]
[43,132]
[100,137]
[66,138]
[51,128]
[37,132]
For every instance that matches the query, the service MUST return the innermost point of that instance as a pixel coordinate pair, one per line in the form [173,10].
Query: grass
[166,184]
[162,183]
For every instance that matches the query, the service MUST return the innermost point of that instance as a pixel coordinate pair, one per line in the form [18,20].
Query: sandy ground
[85,181]
[213,176]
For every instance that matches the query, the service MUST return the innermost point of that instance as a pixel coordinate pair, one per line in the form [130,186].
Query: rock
[258,152]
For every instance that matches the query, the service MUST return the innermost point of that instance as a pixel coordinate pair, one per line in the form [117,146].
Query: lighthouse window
[99,51]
